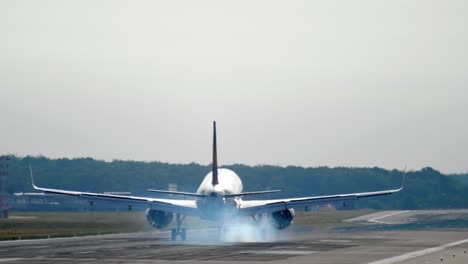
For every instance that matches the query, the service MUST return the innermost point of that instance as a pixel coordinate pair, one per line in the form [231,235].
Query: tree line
[425,189]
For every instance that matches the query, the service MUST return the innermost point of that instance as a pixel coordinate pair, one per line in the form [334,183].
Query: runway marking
[335,241]
[376,219]
[22,217]
[39,240]
[9,259]
[36,247]
[279,252]
[418,253]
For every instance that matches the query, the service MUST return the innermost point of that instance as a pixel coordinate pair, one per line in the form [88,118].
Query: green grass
[60,224]
[29,225]
[328,219]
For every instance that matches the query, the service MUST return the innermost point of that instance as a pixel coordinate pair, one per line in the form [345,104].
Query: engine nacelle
[158,219]
[282,219]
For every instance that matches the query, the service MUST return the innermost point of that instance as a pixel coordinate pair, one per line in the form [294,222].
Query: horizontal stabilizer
[177,193]
[250,193]
[203,195]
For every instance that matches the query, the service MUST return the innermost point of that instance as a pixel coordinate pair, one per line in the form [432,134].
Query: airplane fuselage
[214,206]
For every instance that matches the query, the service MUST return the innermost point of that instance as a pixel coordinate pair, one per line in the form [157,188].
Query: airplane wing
[185,207]
[253,207]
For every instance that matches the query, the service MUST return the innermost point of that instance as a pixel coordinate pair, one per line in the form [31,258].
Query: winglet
[405,179]
[214,169]
[32,178]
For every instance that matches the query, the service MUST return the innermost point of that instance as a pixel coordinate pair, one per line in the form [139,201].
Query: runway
[370,244]
[377,247]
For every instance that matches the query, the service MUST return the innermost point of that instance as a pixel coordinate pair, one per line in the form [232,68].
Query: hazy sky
[311,83]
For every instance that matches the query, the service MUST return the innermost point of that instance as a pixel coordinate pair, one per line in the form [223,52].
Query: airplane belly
[217,209]
[214,206]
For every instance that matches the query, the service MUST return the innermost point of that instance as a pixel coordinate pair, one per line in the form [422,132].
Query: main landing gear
[182,232]
[261,226]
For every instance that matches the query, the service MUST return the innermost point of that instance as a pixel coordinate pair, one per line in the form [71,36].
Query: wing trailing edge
[186,207]
[252,207]
[198,195]
[250,193]
[177,193]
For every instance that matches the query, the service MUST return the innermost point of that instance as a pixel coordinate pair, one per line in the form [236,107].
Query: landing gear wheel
[182,232]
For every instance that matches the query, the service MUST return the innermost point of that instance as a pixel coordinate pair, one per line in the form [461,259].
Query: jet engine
[282,219]
[158,219]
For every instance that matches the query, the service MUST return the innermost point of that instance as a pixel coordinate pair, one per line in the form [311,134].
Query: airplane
[219,198]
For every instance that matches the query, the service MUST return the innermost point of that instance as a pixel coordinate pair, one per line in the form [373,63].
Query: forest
[425,189]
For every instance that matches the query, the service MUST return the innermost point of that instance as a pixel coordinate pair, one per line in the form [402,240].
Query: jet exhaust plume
[243,231]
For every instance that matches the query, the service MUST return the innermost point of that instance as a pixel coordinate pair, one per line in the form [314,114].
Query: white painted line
[335,241]
[9,259]
[22,217]
[279,252]
[38,240]
[36,247]
[418,253]
[115,240]
[85,252]
[376,219]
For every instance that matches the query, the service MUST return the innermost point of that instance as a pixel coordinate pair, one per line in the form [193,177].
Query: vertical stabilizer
[214,170]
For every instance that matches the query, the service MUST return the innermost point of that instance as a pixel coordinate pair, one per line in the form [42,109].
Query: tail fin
[214,170]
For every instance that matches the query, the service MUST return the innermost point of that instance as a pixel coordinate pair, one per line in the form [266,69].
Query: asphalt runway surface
[294,245]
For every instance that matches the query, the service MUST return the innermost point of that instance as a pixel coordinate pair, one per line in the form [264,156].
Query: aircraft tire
[183,234]
[173,234]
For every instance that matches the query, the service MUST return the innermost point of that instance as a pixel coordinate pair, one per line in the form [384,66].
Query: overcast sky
[310,83]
